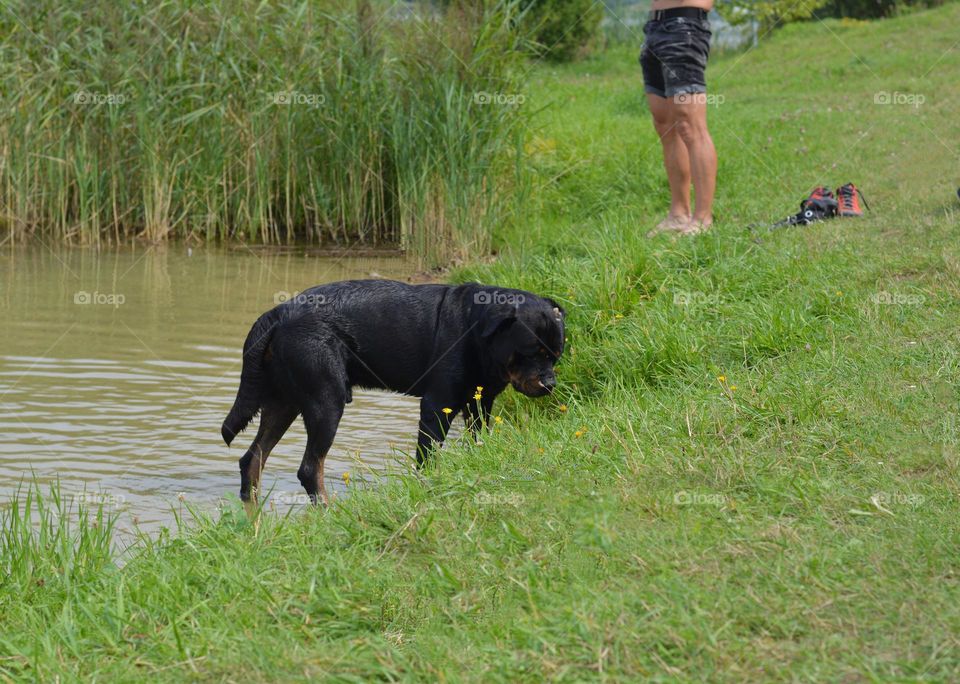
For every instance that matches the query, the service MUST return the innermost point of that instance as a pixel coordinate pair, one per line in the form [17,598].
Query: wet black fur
[437,342]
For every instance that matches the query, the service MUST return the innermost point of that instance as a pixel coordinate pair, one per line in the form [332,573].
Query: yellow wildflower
[448,411]
[563,408]
[497,420]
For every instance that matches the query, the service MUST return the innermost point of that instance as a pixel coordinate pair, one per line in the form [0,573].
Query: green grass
[650,521]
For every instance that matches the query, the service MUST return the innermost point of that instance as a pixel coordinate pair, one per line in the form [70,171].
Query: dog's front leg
[435,417]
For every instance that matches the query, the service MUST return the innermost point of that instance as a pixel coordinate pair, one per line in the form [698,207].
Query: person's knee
[690,127]
[664,126]
[664,121]
[686,130]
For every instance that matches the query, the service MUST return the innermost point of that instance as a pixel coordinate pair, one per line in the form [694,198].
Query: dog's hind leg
[314,378]
[321,417]
[274,421]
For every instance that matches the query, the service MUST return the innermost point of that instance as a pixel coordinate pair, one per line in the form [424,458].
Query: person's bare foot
[696,226]
[672,222]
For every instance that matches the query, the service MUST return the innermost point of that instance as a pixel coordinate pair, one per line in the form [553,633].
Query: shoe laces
[845,194]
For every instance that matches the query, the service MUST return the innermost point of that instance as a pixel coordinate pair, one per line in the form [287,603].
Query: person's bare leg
[676,160]
[690,115]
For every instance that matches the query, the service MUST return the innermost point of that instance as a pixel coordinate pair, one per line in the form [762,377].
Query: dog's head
[523,335]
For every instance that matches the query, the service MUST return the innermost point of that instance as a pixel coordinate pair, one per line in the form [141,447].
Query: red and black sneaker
[848,199]
[818,194]
[820,204]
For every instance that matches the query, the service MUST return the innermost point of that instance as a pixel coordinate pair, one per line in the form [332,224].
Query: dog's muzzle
[534,387]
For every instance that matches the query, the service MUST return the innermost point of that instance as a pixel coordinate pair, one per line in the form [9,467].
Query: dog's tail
[252,377]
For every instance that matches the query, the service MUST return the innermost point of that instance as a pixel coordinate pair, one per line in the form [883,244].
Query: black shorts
[674,56]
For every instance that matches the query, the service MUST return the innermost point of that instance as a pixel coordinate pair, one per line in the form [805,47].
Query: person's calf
[692,130]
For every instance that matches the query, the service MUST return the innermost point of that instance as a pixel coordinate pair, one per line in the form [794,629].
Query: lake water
[117,368]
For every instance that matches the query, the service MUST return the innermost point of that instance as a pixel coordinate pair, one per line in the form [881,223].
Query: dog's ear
[497,317]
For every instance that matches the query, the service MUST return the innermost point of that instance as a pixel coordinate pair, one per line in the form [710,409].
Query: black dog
[438,342]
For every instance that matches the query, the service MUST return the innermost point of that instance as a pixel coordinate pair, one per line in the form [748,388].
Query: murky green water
[117,368]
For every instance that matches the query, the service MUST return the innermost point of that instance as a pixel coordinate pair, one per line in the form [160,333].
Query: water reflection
[117,368]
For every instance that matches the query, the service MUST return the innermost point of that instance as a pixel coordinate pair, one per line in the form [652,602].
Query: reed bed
[360,123]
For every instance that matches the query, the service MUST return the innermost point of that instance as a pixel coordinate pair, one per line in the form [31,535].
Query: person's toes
[674,223]
[695,227]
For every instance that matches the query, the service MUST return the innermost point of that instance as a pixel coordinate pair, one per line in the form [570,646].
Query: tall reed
[265,122]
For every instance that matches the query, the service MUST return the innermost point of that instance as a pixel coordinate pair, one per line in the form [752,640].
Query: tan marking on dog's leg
[273,424]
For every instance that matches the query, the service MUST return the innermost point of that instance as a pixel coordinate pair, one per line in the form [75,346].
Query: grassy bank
[750,471]
[263,122]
